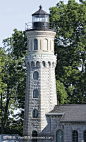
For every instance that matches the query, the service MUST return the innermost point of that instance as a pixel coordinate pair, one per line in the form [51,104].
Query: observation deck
[50,27]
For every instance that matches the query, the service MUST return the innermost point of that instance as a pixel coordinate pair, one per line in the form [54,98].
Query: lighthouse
[40,97]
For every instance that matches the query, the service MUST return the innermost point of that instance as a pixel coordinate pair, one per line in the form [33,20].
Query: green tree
[62,94]
[2,84]
[15,79]
[70,23]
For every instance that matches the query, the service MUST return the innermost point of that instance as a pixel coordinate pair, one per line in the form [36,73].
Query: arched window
[85,136]
[35,44]
[37,64]
[59,136]
[46,44]
[32,64]
[35,113]
[43,64]
[36,75]
[74,136]
[49,64]
[35,93]
[34,134]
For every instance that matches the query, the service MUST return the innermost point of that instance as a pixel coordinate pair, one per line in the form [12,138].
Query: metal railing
[29,26]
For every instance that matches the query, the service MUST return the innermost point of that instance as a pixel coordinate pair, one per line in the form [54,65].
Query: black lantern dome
[40,19]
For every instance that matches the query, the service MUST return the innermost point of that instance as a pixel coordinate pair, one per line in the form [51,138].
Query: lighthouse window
[36,75]
[85,136]
[34,134]
[37,64]
[75,136]
[59,136]
[43,64]
[35,113]
[49,64]
[45,45]
[35,44]
[32,64]
[35,93]
[36,18]
[46,18]
[42,18]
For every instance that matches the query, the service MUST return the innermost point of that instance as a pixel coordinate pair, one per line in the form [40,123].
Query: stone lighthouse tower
[40,97]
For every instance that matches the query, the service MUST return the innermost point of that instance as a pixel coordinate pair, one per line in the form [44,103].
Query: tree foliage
[13,95]
[70,47]
[62,93]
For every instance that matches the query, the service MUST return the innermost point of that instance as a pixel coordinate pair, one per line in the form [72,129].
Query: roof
[70,112]
[40,12]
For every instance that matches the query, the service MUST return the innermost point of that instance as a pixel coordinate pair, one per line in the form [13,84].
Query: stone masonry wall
[67,128]
[47,91]
[43,61]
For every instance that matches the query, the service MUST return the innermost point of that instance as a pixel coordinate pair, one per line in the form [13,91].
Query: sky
[15,13]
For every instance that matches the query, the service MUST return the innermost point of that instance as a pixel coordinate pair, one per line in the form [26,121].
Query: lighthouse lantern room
[40,19]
